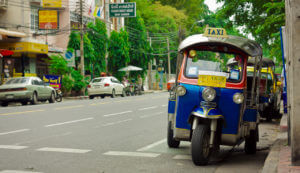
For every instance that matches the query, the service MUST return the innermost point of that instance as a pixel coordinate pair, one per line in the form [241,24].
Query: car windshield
[97,80]
[17,81]
[214,63]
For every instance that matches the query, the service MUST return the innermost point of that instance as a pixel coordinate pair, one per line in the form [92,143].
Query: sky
[212,4]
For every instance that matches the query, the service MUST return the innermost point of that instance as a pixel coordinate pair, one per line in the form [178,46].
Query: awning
[25,47]
[12,33]
[4,52]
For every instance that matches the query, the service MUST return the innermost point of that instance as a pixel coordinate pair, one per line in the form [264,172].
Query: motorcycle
[58,95]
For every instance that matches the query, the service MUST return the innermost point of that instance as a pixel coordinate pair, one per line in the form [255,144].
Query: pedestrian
[140,82]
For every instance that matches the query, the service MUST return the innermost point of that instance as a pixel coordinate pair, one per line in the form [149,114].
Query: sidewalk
[279,158]
[87,97]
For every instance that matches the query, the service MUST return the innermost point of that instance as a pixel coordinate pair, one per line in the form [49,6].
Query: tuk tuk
[214,104]
[270,90]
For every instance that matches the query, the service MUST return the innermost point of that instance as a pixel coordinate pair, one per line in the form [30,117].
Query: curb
[271,162]
[283,124]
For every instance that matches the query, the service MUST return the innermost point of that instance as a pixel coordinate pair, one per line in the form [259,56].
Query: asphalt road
[107,135]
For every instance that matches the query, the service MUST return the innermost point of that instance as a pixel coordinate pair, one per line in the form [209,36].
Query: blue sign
[52,80]
[68,55]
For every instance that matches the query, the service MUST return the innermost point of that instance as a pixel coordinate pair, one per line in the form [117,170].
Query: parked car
[24,90]
[105,86]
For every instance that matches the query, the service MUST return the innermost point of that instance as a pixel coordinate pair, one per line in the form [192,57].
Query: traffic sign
[122,9]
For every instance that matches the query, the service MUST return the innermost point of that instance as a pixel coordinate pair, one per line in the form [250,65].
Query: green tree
[140,47]
[118,49]
[74,43]
[97,33]
[58,65]
[261,18]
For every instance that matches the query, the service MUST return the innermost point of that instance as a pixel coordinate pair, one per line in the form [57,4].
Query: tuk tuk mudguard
[207,112]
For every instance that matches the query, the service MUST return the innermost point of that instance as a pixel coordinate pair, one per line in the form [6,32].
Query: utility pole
[81,40]
[169,60]
[149,67]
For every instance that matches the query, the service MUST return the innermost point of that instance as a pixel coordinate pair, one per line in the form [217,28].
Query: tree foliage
[140,47]
[261,18]
[97,34]
[118,49]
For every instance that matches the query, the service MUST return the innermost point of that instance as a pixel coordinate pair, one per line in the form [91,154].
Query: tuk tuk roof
[248,46]
[266,62]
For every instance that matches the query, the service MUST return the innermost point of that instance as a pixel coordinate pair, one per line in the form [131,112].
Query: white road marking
[108,115]
[151,115]
[152,107]
[133,154]
[182,157]
[152,145]
[17,171]
[101,103]
[16,131]
[69,122]
[117,122]
[12,147]
[164,105]
[64,150]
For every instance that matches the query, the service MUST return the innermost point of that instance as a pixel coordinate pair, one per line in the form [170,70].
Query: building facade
[20,31]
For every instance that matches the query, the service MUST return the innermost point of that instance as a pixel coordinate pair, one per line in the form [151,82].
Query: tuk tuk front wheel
[172,143]
[250,142]
[200,145]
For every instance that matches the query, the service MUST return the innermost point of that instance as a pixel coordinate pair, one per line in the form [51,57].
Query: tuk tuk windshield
[214,63]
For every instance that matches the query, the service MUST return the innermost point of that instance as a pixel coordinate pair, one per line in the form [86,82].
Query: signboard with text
[122,9]
[52,80]
[52,3]
[48,19]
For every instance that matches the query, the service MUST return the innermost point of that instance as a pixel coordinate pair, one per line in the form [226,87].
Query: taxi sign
[212,81]
[215,32]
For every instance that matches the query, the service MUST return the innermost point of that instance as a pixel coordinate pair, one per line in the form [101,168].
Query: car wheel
[102,97]
[123,93]
[4,104]
[113,94]
[24,103]
[91,97]
[52,98]
[34,99]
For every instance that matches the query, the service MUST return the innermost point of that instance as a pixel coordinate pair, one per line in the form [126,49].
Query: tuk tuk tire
[250,142]
[172,143]
[200,145]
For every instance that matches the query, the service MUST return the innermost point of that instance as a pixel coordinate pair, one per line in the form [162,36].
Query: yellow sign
[215,32]
[48,19]
[212,81]
[25,47]
[52,3]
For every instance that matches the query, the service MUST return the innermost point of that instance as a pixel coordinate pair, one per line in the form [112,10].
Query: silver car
[24,90]
[105,86]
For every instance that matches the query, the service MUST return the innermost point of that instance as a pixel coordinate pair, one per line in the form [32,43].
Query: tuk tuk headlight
[238,98]
[180,90]
[209,94]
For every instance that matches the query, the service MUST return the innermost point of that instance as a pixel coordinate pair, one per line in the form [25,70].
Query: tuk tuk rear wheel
[200,145]
[250,142]
[172,143]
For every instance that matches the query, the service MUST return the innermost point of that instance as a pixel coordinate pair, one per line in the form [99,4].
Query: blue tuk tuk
[213,104]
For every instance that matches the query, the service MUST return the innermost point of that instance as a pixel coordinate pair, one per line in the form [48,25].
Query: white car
[105,86]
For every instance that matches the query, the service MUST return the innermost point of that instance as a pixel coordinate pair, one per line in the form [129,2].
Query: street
[123,134]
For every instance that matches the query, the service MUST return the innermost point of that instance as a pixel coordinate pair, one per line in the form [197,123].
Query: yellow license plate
[212,81]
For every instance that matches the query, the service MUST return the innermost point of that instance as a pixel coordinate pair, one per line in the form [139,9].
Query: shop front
[29,59]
